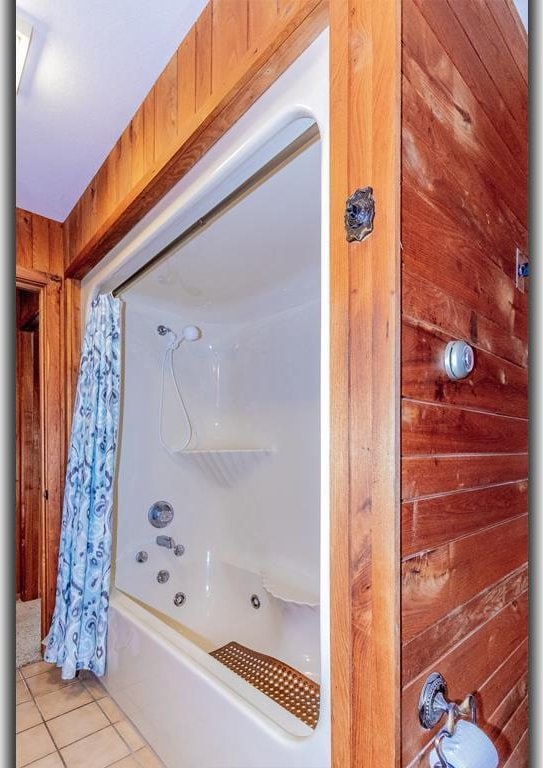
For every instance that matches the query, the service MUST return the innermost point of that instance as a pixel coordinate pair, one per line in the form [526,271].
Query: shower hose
[168,353]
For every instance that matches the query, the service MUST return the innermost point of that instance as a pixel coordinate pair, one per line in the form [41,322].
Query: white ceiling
[89,67]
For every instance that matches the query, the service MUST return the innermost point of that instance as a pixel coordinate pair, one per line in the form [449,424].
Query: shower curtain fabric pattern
[77,637]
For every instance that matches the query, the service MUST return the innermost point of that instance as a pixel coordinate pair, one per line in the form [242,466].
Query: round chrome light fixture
[459,360]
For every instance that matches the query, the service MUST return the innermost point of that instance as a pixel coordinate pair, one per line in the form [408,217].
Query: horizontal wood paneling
[228,59]
[423,476]
[437,582]
[440,636]
[486,86]
[464,443]
[430,304]
[495,385]
[466,668]
[430,522]
[434,429]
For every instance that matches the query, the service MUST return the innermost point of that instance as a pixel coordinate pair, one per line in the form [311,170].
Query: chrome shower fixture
[189,332]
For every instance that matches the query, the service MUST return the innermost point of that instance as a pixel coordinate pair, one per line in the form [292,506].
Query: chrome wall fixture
[169,543]
[433,704]
[160,514]
[162,577]
[459,360]
[141,556]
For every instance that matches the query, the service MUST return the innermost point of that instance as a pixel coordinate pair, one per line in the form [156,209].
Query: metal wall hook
[433,704]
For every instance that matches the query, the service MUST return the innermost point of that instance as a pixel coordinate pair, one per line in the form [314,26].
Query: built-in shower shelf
[289,593]
[226,466]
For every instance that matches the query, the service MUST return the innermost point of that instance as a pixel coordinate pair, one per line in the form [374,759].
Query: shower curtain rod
[292,149]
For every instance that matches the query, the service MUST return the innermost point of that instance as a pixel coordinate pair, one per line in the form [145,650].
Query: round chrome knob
[141,556]
[160,514]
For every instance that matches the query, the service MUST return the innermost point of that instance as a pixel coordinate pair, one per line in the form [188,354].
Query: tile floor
[73,724]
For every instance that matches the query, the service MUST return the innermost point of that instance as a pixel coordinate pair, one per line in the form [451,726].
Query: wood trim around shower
[230,56]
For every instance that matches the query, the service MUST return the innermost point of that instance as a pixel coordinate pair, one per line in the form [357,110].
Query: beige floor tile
[21,692]
[46,682]
[32,744]
[130,735]
[126,762]
[95,751]
[29,670]
[147,758]
[18,676]
[95,687]
[111,709]
[76,724]
[51,761]
[26,716]
[67,698]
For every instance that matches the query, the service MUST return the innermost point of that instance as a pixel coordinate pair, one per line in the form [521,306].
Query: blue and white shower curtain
[77,637]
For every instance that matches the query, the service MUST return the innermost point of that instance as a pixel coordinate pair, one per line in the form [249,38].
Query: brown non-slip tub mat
[285,685]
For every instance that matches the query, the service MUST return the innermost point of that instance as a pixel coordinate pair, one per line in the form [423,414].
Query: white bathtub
[192,709]
[218,608]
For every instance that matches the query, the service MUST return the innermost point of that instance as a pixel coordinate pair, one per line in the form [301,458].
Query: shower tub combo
[218,644]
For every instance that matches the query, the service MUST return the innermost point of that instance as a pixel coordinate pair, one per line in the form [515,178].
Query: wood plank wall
[235,50]
[464,461]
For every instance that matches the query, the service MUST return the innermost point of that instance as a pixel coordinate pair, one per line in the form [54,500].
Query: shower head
[191,333]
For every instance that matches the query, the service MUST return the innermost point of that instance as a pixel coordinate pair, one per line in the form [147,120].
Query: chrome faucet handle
[169,543]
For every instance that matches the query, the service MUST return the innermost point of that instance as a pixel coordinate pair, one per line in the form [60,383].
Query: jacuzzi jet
[255,601]
[162,577]
[179,598]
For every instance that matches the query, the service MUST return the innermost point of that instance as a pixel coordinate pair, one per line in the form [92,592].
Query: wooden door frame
[365,136]
[52,386]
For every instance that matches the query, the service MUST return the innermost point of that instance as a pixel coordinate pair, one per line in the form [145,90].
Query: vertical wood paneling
[136,133]
[214,74]
[23,238]
[149,129]
[40,243]
[204,55]
[166,108]
[186,81]
[464,444]
[263,16]
[230,38]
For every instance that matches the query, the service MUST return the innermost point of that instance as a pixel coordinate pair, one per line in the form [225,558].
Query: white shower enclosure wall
[232,436]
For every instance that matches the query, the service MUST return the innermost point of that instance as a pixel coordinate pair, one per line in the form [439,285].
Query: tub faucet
[169,543]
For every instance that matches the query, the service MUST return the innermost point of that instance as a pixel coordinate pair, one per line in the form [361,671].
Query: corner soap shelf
[288,593]
[226,466]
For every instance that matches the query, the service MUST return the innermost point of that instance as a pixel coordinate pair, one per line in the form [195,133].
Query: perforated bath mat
[285,685]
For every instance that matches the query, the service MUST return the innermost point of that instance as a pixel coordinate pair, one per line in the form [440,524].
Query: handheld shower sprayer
[189,333]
